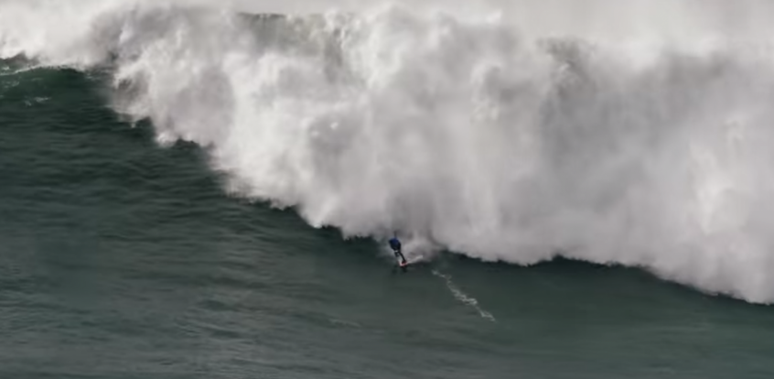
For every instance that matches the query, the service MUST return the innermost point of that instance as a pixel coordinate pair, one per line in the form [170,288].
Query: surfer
[396,249]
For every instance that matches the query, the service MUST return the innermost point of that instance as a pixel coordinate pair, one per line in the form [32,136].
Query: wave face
[480,135]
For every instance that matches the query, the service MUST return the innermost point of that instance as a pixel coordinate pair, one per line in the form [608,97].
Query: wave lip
[466,132]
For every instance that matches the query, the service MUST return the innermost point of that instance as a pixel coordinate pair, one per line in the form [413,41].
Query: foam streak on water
[461,296]
[485,138]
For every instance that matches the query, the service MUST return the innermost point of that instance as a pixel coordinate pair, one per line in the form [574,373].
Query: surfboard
[409,262]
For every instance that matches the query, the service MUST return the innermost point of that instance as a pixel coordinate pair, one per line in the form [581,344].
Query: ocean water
[204,191]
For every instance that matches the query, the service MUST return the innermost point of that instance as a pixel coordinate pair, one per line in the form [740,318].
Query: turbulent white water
[637,135]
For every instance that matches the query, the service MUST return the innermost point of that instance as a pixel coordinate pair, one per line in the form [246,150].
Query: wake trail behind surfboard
[464,298]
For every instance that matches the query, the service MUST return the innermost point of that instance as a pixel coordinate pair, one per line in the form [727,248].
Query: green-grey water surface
[120,258]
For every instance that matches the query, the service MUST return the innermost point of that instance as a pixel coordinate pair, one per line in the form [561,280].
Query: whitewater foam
[497,137]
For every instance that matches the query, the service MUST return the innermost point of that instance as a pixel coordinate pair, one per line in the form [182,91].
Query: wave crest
[460,130]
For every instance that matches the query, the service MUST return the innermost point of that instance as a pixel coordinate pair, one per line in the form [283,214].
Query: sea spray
[465,131]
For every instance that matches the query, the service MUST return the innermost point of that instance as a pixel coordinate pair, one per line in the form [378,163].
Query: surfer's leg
[401,260]
[399,255]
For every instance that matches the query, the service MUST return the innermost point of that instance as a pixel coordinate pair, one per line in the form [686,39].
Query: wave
[504,138]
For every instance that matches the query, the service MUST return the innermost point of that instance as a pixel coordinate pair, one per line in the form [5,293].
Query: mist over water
[489,134]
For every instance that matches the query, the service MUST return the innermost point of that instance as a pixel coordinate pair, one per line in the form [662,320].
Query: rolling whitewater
[207,189]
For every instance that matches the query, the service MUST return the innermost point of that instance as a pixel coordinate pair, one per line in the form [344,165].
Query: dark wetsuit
[396,249]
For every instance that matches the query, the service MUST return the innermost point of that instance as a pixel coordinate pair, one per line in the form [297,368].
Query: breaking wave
[469,132]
